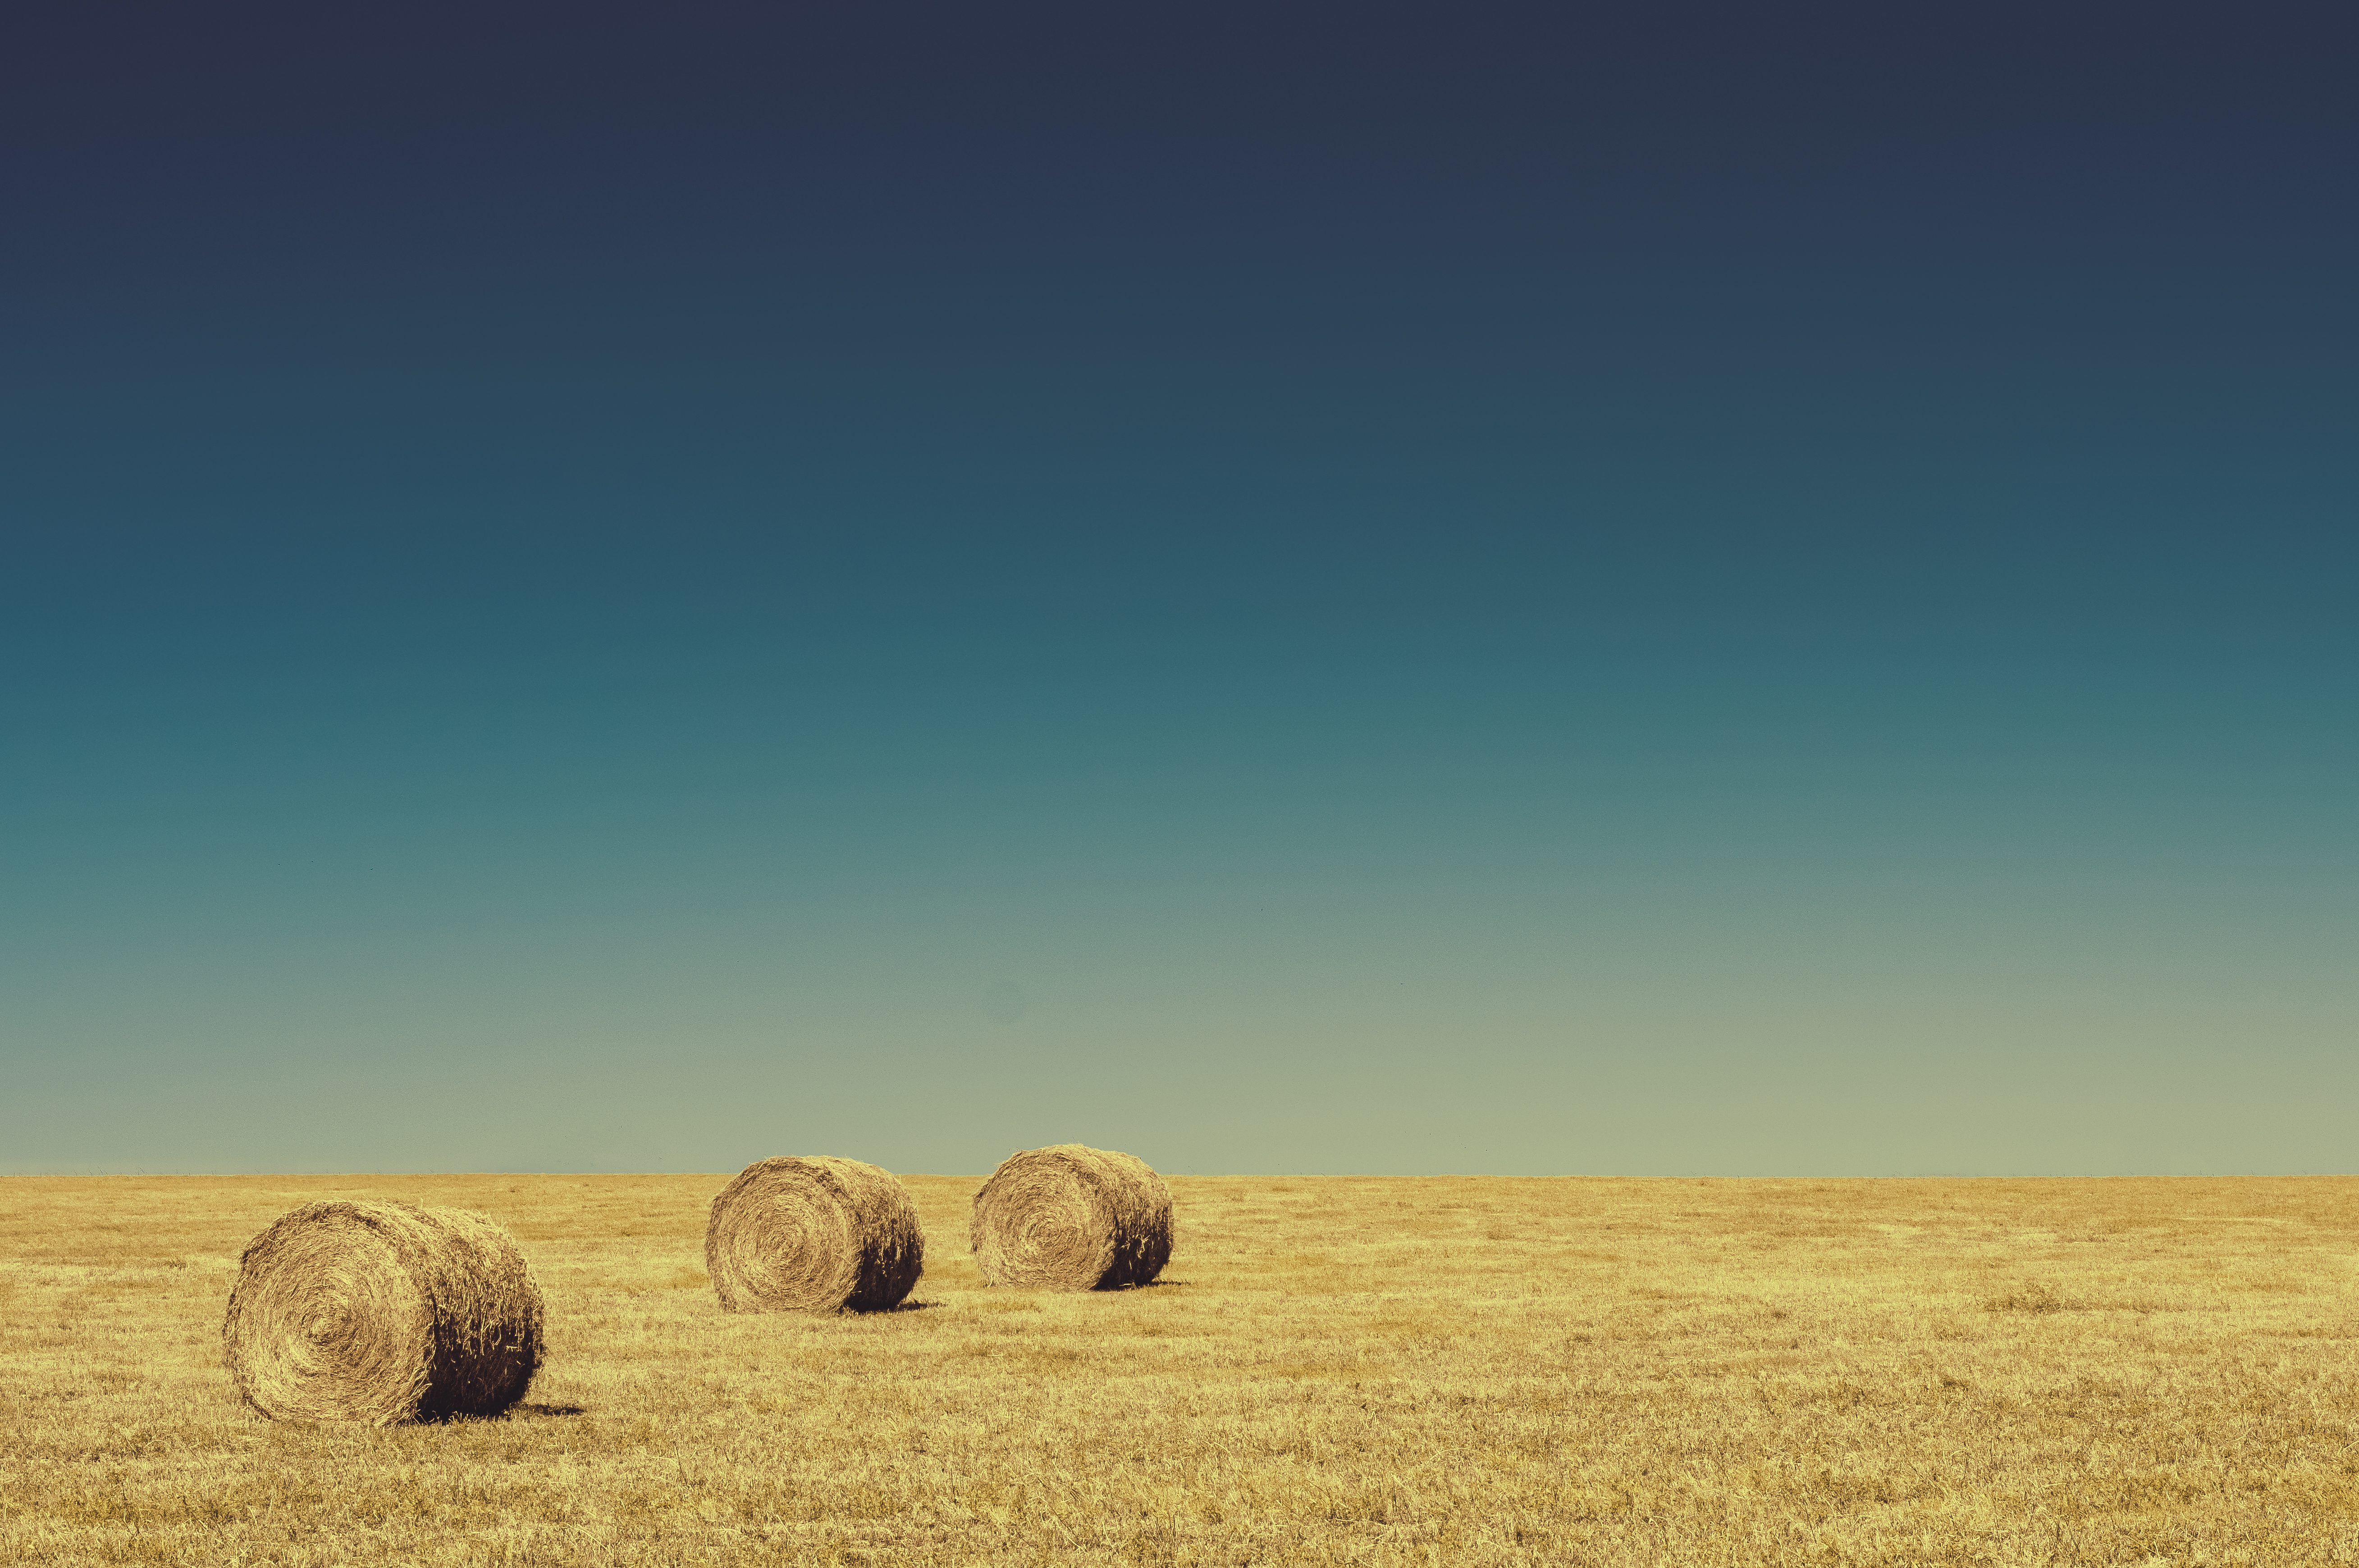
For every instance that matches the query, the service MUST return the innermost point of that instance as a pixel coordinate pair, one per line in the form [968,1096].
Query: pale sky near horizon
[1511,594]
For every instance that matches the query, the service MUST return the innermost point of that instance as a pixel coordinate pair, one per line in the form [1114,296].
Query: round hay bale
[820,1234]
[1070,1217]
[381,1312]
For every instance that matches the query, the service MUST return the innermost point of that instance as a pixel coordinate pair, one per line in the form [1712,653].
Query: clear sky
[1745,589]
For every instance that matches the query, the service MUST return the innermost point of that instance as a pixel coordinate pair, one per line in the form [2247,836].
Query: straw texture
[1070,1218]
[381,1312]
[817,1234]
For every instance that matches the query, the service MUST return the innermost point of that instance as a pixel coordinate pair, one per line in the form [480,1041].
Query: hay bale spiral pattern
[381,1312]
[1070,1218]
[817,1234]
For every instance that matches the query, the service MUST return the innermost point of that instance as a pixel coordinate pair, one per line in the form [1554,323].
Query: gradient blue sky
[1752,590]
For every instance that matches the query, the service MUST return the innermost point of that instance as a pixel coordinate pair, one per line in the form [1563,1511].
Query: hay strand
[817,1234]
[1070,1217]
[381,1312]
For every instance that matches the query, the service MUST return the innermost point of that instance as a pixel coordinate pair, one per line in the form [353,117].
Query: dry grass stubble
[1371,1371]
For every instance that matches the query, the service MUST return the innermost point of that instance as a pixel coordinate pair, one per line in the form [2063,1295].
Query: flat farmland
[1333,1369]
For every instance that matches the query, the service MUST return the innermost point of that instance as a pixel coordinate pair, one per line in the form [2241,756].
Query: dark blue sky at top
[1744,589]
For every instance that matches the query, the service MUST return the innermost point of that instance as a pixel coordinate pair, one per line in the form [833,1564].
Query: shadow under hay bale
[381,1312]
[817,1234]
[1070,1217]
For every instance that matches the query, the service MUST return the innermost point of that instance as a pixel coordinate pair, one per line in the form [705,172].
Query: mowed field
[1437,1370]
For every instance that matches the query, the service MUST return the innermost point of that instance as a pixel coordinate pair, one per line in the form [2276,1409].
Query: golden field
[1333,1369]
